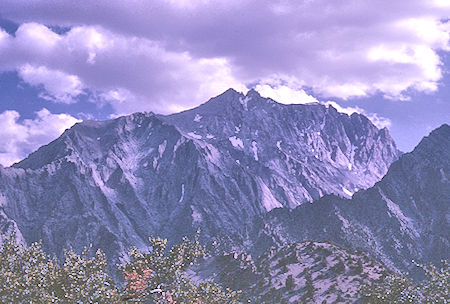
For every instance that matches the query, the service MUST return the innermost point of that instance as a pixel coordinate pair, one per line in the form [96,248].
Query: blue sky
[66,61]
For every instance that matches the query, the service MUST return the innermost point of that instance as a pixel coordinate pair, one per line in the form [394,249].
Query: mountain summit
[114,183]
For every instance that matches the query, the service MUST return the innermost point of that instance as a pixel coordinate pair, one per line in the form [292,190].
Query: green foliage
[29,276]
[81,279]
[24,273]
[160,276]
[397,289]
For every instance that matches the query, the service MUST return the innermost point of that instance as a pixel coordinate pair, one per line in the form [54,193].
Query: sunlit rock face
[114,183]
[404,217]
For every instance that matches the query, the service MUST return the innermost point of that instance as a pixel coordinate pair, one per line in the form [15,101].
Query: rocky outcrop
[403,217]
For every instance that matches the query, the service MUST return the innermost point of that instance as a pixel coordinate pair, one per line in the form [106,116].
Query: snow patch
[236,142]
[197,118]
[346,191]
[255,150]
[193,135]
[279,144]
[237,129]
[162,148]
[244,102]
[182,194]
[209,136]
[350,167]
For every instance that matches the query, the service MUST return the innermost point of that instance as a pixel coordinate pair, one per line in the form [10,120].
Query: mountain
[405,216]
[308,272]
[216,167]
[299,152]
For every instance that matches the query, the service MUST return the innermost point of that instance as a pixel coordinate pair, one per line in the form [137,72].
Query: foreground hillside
[308,272]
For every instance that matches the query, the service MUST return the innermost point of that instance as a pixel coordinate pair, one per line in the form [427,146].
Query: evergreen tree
[309,286]
[290,282]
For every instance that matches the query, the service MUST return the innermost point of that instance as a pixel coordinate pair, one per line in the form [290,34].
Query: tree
[398,289]
[83,279]
[160,276]
[28,276]
[290,284]
[310,289]
[24,273]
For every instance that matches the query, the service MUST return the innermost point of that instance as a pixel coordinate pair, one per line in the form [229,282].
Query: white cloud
[175,54]
[131,73]
[18,138]
[59,87]
[285,94]
[379,121]
[345,110]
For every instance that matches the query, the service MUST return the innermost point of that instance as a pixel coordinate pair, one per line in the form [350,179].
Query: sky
[63,61]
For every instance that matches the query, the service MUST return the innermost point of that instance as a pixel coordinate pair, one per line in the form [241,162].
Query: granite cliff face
[298,152]
[215,167]
[405,216]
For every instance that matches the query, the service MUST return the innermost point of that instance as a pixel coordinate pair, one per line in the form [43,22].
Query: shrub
[399,289]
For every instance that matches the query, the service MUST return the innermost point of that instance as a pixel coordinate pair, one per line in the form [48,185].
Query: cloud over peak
[165,55]
[20,137]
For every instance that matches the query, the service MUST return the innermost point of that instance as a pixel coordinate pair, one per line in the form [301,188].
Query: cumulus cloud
[167,55]
[131,73]
[59,87]
[18,138]
[285,94]
[379,121]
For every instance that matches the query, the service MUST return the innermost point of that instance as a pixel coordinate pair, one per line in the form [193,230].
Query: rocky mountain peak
[436,139]
[215,167]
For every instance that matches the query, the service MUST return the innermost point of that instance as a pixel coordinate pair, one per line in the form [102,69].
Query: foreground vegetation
[398,289]
[29,276]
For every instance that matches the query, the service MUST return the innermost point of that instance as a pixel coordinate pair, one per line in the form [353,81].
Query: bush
[399,289]
[29,276]
[160,276]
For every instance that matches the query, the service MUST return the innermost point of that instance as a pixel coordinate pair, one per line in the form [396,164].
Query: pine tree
[309,286]
[290,282]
